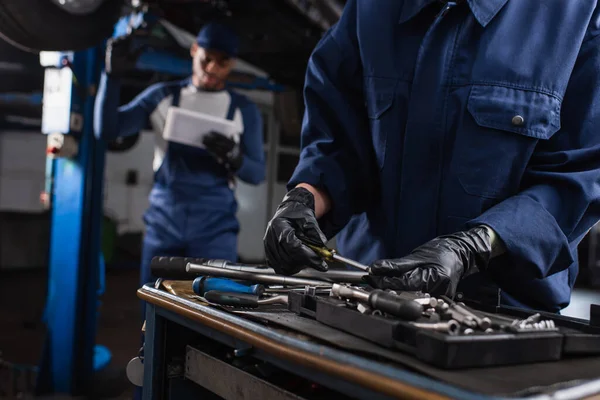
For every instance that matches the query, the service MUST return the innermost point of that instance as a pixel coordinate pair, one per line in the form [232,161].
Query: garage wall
[22,168]
[22,165]
[124,203]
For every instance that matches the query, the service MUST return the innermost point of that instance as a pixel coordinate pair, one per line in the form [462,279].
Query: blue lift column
[76,167]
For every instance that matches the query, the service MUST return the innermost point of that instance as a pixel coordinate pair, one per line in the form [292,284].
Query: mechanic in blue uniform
[451,142]
[192,205]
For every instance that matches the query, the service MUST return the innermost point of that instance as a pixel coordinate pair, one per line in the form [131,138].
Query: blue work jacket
[424,119]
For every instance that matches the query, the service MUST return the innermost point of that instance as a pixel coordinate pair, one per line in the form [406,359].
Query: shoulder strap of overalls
[233,105]
[176,97]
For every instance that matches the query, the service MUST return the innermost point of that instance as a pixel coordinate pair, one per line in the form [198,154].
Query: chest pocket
[379,96]
[497,138]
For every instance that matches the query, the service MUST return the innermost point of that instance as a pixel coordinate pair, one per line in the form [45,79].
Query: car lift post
[70,355]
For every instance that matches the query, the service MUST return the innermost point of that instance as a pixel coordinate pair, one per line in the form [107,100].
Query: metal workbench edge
[403,380]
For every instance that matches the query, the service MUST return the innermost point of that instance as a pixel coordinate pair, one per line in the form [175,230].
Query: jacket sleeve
[253,167]
[112,121]
[336,153]
[560,201]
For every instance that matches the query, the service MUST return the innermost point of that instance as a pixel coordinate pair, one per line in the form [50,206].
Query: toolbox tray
[581,337]
[454,352]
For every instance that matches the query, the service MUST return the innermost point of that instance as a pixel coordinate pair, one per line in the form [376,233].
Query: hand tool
[423,299]
[242,299]
[175,268]
[328,254]
[382,301]
[279,289]
[333,275]
[482,322]
[463,319]
[532,319]
[205,270]
[532,324]
[441,307]
[451,327]
[204,284]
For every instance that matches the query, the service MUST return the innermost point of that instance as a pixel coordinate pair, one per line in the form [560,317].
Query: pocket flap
[379,95]
[520,111]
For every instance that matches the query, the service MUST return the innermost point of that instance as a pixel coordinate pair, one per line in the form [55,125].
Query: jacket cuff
[530,235]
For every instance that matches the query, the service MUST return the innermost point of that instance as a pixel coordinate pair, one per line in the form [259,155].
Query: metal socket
[451,327]
[482,322]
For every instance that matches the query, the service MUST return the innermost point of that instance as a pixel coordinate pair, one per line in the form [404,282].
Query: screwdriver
[242,299]
[328,254]
[204,284]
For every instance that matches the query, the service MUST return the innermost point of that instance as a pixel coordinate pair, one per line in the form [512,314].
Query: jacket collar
[483,10]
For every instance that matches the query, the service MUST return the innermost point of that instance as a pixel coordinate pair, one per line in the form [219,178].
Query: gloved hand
[225,150]
[437,266]
[294,220]
[121,54]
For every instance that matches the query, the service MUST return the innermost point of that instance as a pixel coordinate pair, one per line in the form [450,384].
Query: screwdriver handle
[394,305]
[322,252]
[204,284]
[232,299]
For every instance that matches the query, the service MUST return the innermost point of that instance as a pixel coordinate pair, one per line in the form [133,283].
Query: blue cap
[214,36]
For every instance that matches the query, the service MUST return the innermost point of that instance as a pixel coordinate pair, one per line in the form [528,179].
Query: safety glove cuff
[437,266]
[290,232]
[302,196]
[473,247]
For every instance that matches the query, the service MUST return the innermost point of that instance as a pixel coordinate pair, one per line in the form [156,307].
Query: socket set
[443,332]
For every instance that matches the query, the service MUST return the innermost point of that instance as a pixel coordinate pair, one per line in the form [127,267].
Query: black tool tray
[581,337]
[452,352]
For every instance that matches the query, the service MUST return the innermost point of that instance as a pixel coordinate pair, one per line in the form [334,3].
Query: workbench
[182,337]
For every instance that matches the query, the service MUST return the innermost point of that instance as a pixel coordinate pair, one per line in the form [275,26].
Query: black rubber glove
[225,150]
[122,54]
[294,220]
[437,266]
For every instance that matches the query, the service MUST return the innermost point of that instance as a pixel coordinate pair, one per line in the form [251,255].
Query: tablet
[189,127]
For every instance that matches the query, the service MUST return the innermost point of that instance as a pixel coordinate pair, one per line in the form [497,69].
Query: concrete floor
[22,299]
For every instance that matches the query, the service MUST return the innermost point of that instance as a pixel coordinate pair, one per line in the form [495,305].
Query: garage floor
[22,333]
[22,336]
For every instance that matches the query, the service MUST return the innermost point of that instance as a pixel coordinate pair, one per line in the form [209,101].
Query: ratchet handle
[175,267]
[204,284]
[394,305]
[232,299]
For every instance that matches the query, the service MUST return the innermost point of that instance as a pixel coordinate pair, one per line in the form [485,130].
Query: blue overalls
[192,204]
[424,118]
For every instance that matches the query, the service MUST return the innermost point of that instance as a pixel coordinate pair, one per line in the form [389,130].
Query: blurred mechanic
[192,204]
[452,141]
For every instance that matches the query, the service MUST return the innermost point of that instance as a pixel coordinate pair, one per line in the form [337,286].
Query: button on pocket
[379,96]
[497,138]
[524,112]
